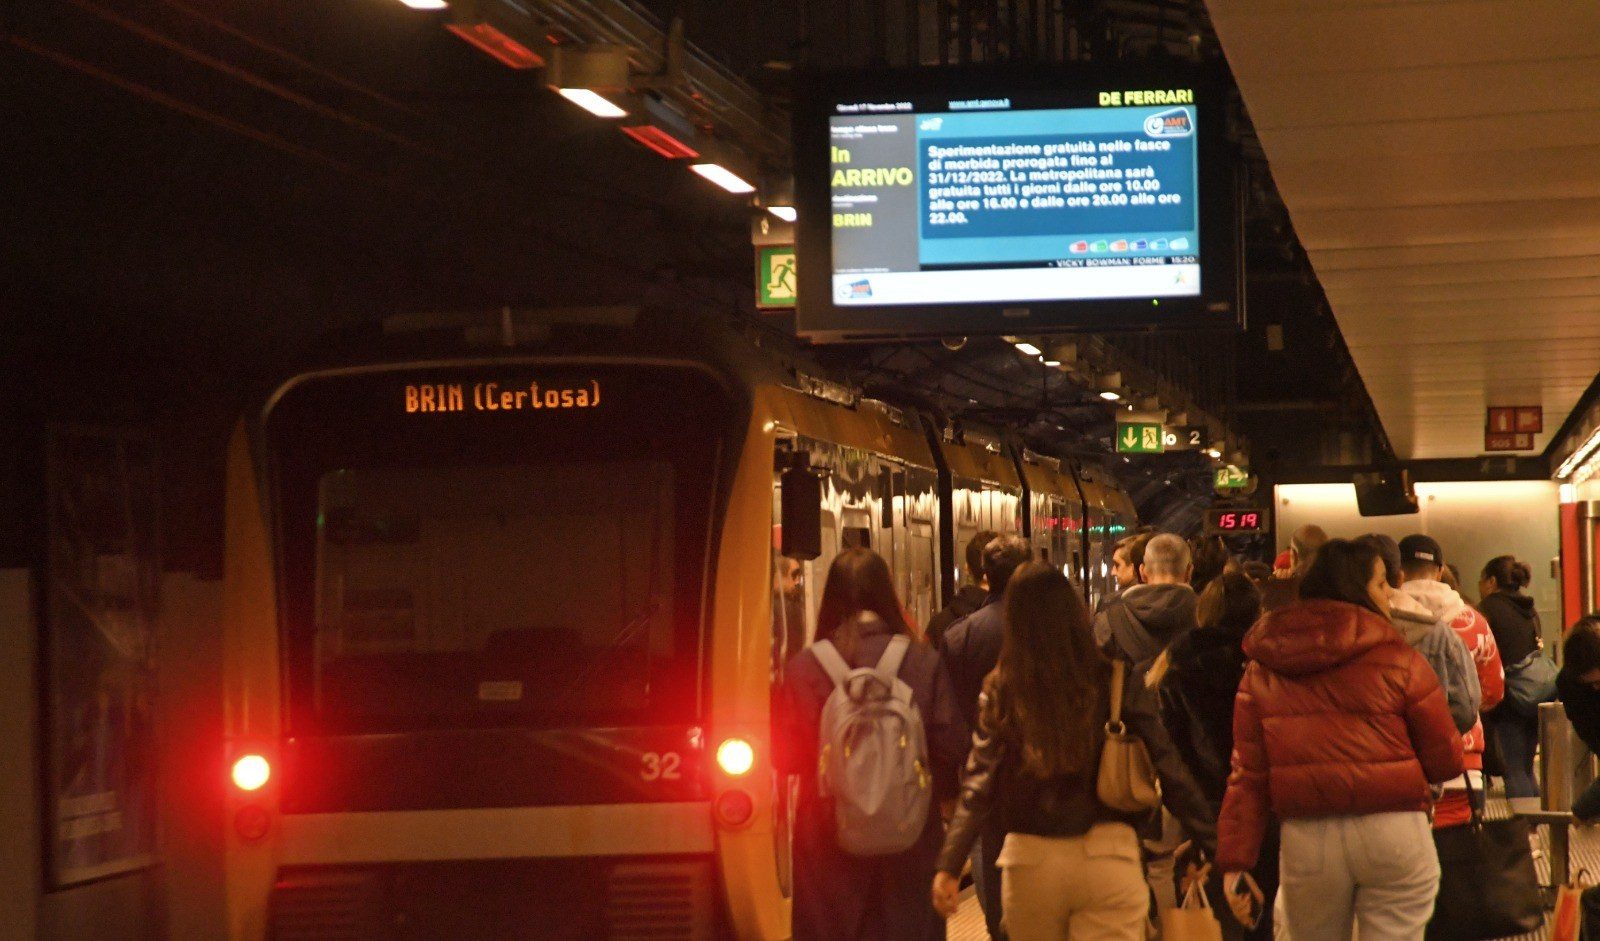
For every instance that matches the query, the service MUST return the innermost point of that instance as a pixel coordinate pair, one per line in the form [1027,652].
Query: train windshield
[538,563]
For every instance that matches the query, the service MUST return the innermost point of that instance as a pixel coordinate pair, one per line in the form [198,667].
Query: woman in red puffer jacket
[1339,727]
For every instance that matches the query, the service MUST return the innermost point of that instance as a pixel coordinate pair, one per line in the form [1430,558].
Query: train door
[1580,559]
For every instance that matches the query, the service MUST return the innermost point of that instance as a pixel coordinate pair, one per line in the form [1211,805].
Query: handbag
[1589,914]
[1566,921]
[1529,682]
[1487,885]
[1127,780]
[1193,920]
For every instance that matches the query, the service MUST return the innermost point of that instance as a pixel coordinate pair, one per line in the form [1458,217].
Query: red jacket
[1336,716]
[1473,630]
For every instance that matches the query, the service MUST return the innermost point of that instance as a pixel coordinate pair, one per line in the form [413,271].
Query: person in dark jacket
[1196,681]
[1515,625]
[1578,685]
[969,597]
[1147,617]
[972,648]
[838,896]
[1071,865]
[1350,727]
[1140,625]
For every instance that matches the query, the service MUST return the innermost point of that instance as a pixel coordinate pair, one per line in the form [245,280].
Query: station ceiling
[1438,163]
[203,192]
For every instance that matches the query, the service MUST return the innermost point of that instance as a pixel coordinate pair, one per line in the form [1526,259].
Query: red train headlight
[736,756]
[251,772]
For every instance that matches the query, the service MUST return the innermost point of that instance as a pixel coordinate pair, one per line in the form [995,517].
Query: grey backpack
[873,754]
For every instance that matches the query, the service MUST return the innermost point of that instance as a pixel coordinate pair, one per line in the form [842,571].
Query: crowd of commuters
[1308,723]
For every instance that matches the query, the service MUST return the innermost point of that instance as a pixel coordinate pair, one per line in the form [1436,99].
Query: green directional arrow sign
[1231,477]
[1139,438]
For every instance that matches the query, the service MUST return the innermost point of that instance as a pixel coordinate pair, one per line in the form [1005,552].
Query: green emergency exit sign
[1231,477]
[1139,438]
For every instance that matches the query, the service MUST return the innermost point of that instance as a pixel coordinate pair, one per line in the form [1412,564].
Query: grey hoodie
[1143,620]
[1429,633]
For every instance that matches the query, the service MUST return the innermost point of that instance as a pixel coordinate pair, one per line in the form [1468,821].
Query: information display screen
[952,200]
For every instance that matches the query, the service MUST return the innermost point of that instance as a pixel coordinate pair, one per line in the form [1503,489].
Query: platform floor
[1584,854]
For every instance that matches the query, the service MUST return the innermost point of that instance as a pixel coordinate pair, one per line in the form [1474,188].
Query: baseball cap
[1420,548]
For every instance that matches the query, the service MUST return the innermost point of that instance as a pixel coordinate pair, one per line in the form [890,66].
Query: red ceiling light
[501,30]
[661,141]
[496,44]
[659,126]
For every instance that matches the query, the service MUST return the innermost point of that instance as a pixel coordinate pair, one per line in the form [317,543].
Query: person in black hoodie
[969,597]
[1196,681]
[1071,864]
[1515,625]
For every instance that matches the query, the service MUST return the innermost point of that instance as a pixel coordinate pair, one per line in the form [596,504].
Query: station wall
[181,896]
[1474,521]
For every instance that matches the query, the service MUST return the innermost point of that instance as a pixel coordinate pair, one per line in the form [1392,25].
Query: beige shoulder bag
[1127,780]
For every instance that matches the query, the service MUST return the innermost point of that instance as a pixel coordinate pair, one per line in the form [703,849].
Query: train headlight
[735,808]
[250,772]
[252,823]
[736,756]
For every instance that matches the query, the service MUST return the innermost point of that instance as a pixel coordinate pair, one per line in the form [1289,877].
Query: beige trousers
[1080,888]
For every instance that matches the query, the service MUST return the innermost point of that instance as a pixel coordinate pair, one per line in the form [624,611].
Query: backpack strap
[888,668]
[828,656]
[889,664]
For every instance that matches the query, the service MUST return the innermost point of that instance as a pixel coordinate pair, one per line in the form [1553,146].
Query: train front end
[470,655]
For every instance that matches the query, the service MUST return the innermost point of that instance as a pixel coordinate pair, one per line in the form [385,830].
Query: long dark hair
[858,580]
[1509,573]
[1340,572]
[1231,602]
[1050,678]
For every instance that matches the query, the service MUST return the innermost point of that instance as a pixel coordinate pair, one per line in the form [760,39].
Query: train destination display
[1015,199]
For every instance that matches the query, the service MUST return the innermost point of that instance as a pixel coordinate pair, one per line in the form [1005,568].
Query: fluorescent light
[723,177]
[786,213]
[1213,453]
[1052,362]
[425,4]
[1578,456]
[592,102]
[1027,348]
[1111,396]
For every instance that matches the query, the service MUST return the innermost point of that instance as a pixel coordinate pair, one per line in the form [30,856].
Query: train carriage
[502,631]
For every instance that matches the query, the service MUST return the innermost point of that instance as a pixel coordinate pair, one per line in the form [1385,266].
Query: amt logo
[1174,123]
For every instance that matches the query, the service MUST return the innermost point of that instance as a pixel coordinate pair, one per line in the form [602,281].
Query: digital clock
[1236,521]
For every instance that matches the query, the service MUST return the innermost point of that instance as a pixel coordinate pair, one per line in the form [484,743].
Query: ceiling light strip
[1579,456]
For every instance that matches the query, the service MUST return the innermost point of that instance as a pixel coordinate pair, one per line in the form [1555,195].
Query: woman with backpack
[1349,726]
[1514,724]
[1070,865]
[843,890]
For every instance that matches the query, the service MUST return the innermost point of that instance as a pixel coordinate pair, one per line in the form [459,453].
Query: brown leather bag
[1127,780]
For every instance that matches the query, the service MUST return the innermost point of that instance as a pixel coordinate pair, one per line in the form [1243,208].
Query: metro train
[502,627]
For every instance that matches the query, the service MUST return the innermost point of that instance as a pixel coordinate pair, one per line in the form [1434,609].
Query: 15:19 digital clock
[1238,520]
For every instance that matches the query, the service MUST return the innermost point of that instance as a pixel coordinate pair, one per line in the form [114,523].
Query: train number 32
[661,766]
